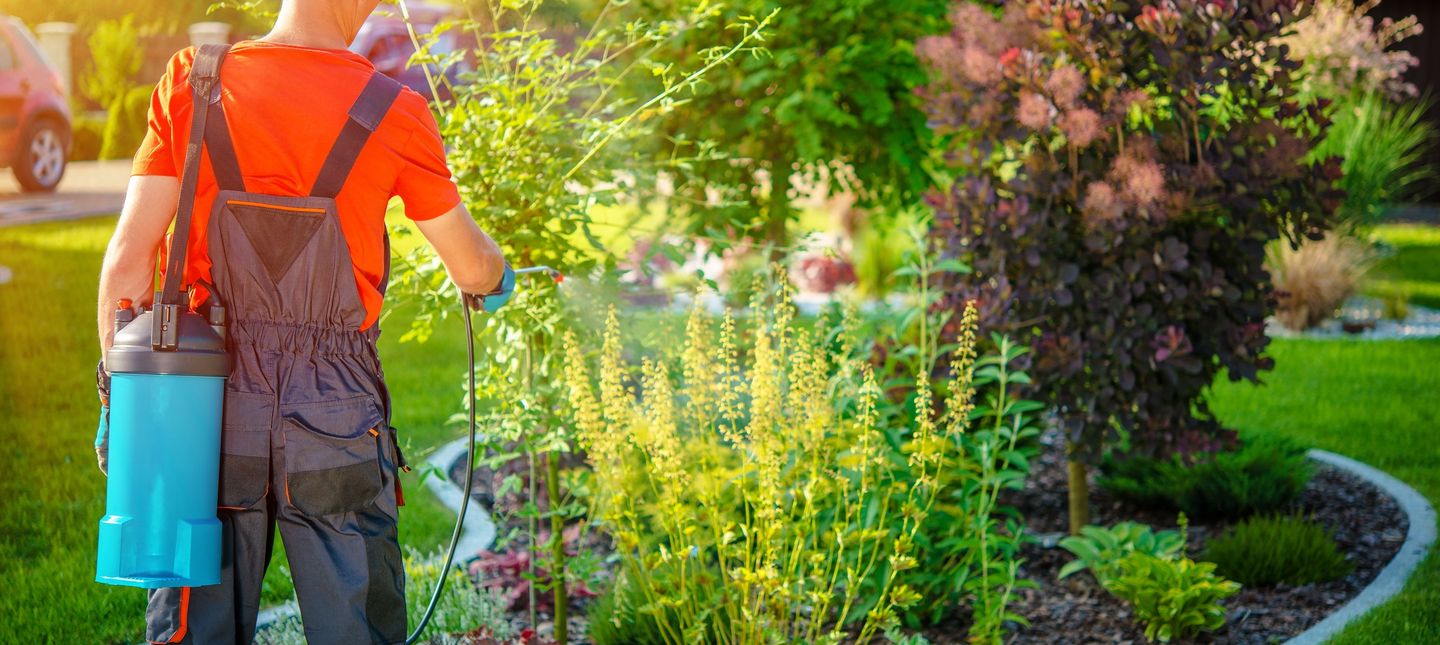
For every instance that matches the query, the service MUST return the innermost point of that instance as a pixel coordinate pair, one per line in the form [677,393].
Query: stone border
[479,530]
[477,533]
[1392,578]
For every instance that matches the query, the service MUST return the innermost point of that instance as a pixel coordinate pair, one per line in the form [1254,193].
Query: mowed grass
[1413,272]
[53,496]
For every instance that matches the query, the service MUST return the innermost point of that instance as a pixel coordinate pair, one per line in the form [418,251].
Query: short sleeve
[156,155]
[424,182]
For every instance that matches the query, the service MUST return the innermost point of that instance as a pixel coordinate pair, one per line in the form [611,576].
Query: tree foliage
[833,101]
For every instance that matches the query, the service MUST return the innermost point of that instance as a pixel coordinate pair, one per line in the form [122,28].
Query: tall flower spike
[731,386]
[614,402]
[662,442]
[699,368]
[962,366]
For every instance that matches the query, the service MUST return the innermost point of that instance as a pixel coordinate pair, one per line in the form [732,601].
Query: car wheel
[40,161]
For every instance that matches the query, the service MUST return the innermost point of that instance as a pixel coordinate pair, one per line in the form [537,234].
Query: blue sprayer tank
[166,402]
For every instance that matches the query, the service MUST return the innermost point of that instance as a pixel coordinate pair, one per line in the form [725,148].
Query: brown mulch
[1368,526]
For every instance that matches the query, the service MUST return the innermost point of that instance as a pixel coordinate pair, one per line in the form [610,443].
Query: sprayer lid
[201,351]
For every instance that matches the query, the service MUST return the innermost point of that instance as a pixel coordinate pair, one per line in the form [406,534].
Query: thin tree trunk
[1079,497]
[778,209]
[557,548]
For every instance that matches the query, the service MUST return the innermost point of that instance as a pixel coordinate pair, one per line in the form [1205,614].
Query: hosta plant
[1119,170]
[1173,597]
[1100,550]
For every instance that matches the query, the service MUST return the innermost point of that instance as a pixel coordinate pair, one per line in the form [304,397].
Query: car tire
[40,160]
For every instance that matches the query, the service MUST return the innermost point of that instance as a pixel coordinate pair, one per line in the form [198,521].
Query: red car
[34,117]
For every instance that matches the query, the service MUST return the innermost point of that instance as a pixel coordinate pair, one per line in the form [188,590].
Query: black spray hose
[469,483]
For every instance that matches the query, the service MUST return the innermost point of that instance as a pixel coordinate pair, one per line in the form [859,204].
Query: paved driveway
[89,188]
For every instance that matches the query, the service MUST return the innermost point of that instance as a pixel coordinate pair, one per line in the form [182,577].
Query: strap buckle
[165,332]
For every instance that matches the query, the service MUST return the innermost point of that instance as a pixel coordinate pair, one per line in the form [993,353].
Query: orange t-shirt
[285,105]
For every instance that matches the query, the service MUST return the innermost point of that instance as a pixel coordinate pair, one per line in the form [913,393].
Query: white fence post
[55,40]
[209,33]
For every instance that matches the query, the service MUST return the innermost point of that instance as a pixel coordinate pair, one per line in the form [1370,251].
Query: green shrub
[1174,597]
[1271,549]
[1100,550]
[834,99]
[1262,476]
[1121,166]
[86,132]
[125,124]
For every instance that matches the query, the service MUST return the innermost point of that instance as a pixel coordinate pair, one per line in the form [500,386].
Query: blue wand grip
[493,301]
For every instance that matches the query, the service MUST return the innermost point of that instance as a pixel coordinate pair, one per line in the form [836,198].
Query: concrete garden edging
[476,534]
[1392,578]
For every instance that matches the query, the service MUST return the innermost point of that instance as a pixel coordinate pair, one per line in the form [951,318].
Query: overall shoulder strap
[221,151]
[204,87]
[365,115]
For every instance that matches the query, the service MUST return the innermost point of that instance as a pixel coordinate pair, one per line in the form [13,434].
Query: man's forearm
[129,267]
[472,259]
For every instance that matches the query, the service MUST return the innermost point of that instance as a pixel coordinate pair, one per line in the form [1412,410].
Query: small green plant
[1174,597]
[1261,476]
[1100,550]
[1396,305]
[1272,549]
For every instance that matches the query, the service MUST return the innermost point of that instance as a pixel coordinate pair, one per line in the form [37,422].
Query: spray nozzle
[555,275]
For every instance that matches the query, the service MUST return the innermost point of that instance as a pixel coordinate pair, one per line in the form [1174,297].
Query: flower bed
[1368,526]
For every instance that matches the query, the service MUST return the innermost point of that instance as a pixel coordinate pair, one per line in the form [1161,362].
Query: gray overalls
[306,441]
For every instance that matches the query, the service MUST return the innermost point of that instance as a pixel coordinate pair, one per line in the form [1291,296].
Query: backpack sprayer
[168,368]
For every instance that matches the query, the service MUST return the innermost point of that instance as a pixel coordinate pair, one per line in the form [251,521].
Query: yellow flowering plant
[763,488]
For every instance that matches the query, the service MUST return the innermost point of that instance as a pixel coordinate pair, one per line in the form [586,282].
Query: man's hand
[492,302]
[102,432]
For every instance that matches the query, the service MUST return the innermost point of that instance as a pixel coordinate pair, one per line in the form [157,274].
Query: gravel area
[1363,318]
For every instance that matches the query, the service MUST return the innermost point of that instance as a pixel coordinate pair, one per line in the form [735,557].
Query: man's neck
[307,27]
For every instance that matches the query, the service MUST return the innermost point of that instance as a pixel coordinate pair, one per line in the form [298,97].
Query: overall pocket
[245,449]
[332,455]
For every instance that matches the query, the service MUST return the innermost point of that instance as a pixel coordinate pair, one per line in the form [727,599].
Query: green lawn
[53,495]
[1414,271]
